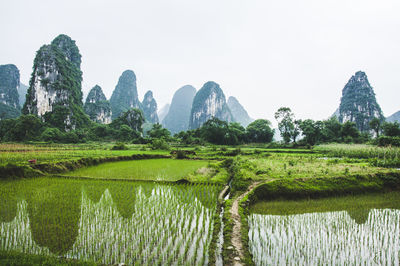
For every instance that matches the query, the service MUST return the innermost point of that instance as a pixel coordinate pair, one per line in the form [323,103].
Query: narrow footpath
[237,225]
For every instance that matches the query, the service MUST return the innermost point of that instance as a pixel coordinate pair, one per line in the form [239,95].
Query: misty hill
[394,117]
[9,98]
[97,106]
[125,95]
[162,113]
[358,103]
[149,106]
[9,85]
[209,102]
[178,115]
[238,112]
[55,91]
[23,89]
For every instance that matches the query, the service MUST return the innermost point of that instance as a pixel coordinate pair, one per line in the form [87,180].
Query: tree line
[129,128]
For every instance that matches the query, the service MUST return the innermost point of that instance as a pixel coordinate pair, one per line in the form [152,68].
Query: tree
[158,132]
[331,130]
[311,131]
[214,131]
[350,132]
[375,125]
[236,133]
[391,129]
[125,133]
[259,131]
[6,127]
[296,129]
[284,116]
[133,118]
[27,127]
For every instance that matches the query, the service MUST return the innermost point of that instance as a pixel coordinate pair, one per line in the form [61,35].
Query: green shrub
[119,146]
[159,144]
[388,141]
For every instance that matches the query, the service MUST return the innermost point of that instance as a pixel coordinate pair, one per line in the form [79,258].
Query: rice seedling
[22,153]
[351,236]
[166,224]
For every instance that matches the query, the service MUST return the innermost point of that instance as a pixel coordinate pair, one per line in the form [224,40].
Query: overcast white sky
[267,54]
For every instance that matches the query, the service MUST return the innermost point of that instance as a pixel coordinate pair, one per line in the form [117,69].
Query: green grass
[309,166]
[389,200]
[154,169]
[358,151]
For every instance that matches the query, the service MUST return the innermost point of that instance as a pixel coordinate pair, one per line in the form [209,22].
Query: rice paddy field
[154,169]
[44,153]
[108,222]
[351,230]
[168,211]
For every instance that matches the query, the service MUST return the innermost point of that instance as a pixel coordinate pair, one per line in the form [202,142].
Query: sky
[268,54]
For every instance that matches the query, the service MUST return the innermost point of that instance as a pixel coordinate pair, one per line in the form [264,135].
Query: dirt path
[237,225]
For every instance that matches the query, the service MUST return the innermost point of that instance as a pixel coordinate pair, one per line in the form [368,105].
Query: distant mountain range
[55,94]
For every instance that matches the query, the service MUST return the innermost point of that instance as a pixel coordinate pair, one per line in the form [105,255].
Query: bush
[119,146]
[386,141]
[51,135]
[159,144]
[181,155]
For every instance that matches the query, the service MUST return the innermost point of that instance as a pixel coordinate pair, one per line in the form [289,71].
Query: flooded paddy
[108,222]
[352,230]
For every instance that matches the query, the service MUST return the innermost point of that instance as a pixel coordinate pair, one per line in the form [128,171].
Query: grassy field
[154,169]
[281,165]
[358,151]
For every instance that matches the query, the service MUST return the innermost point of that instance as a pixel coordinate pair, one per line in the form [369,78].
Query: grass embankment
[368,201]
[324,187]
[18,259]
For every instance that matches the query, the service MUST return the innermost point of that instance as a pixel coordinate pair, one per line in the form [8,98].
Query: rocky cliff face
[97,106]
[9,85]
[358,103]
[162,113]
[125,95]
[178,115]
[238,112]
[394,117]
[209,102]
[149,106]
[55,90]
